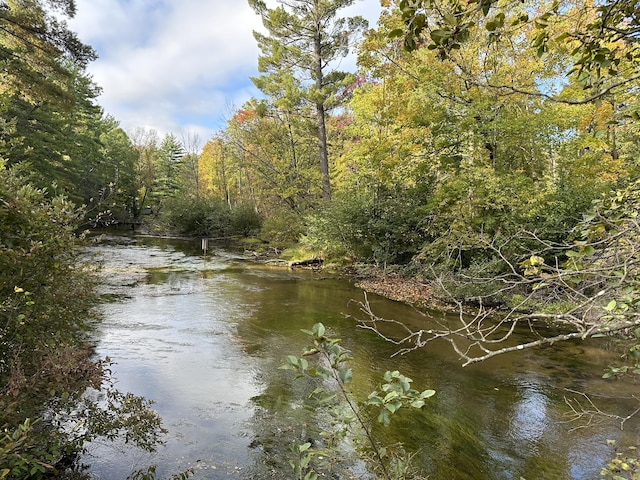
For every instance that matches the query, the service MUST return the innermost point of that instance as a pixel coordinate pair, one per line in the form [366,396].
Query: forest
[487,148]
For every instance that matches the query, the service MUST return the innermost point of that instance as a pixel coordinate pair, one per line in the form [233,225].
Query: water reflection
[204,337]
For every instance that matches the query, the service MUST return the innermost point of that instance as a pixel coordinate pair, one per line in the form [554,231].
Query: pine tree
[304,38]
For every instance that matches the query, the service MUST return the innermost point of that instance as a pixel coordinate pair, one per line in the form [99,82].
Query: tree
[304,37]
[55,129]
[120,156]
[167,170]
[191,181]
[146,144]
[34,46]
[598,38]
[212,170]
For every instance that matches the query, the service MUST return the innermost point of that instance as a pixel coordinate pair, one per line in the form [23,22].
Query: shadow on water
[204,337]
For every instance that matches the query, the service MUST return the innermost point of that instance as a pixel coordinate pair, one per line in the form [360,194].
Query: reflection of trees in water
[479,425]
[280,420]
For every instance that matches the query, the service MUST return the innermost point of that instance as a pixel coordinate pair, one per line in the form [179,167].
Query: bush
[245,221]
[208,217]
[384,227]
[282,226]
[197,216]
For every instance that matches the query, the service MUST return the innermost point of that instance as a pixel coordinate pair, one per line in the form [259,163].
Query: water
[204,336]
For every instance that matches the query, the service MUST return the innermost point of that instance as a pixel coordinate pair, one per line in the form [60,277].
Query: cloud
[172,65]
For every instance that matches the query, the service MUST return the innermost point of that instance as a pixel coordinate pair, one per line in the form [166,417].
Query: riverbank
[396,287]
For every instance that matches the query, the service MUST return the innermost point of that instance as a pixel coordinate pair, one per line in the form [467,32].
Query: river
[203,336]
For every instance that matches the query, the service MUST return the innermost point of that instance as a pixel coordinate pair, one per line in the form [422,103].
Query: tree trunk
[323,155]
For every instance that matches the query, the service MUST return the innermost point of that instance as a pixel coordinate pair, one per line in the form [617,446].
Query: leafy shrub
[197,216]
[384,228]
[210,217]
[245,221]
[282,226]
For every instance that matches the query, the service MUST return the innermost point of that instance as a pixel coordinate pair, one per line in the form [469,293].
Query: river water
[203,336]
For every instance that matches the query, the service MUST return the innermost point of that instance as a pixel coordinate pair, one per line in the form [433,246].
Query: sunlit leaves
[395,394]
[600,36]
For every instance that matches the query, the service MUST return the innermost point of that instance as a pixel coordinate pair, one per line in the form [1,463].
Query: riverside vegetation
[486,149]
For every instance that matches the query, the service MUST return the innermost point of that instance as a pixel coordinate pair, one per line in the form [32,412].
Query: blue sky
[179,66]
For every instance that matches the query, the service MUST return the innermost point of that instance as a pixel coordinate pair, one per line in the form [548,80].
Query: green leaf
[440,36]
[427,393]
[383,418]
[588,250]
[304,447]
[303,363]
[405,383]
[390,396]
[345,374]
[393,407]
[318,330]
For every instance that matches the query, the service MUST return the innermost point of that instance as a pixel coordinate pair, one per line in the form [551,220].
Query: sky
[178,66]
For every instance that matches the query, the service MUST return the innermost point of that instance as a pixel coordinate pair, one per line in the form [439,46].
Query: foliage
[34,45]
[304,38]
[56,129]
[624,466]
[351,417]
[385,228]
[37,243]
[599,36]
[46,369]
[587,287]
[245,221]
[211,218]
[150,474]
[20,457]
[282,227]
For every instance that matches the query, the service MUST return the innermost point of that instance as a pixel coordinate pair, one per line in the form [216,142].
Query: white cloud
[175,65]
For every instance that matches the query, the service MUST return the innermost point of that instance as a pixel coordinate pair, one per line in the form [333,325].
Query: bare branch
[587,413]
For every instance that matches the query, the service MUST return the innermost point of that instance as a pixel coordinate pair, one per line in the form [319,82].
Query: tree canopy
[305,38]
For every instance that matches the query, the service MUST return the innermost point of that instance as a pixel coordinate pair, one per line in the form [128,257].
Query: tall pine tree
[304,38]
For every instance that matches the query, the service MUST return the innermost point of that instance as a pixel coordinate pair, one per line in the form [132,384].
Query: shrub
[210,217]
[245,221]
[384,227]
[282,226]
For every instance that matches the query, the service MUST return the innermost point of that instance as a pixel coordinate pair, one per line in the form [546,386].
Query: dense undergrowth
[49,378]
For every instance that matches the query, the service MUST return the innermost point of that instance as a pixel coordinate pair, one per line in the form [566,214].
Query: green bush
[245,221]
[207,217]
[384,227]
[282,226]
